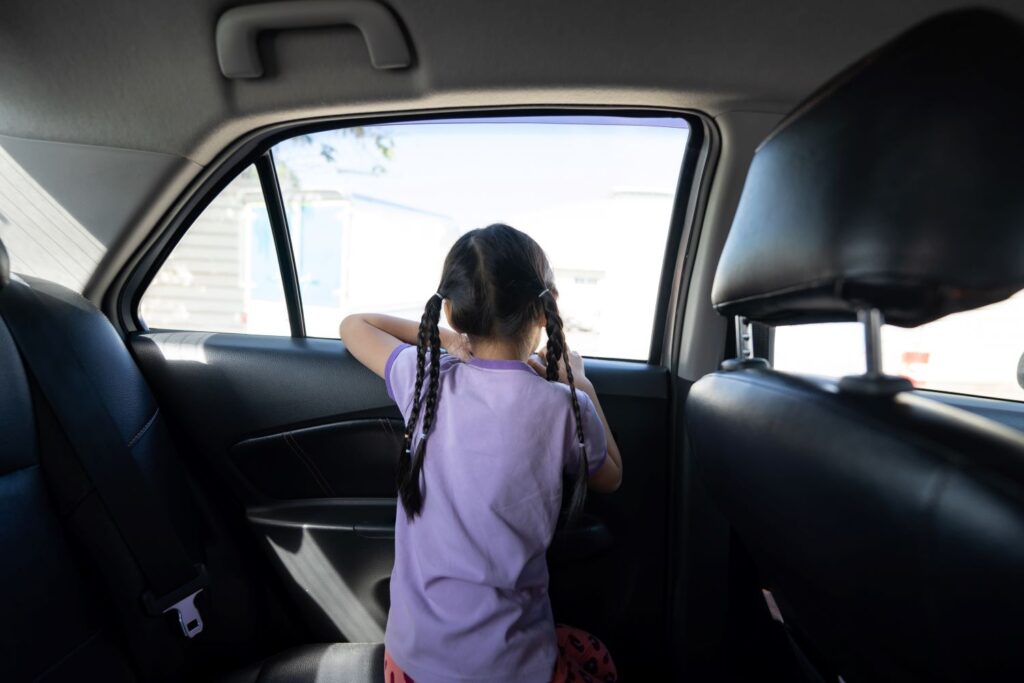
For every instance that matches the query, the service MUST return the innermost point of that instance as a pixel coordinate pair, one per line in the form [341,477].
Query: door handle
[239,27]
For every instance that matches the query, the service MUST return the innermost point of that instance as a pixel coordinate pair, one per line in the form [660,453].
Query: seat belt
[172,580]
[808,668]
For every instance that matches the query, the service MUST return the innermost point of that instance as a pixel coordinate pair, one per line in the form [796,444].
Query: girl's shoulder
[560,391]
[401,368]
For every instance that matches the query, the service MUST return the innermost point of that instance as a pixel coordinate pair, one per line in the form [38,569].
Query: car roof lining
[137,82]
[144,75]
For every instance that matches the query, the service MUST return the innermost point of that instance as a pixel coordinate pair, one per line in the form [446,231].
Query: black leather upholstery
[69,589]
[890,529]
[896,186]
[156,647]
[53,624]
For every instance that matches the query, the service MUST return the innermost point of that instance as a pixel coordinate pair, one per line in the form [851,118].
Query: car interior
[788,239]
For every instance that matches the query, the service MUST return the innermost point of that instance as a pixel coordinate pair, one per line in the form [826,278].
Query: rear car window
[223,274]
[42,238]
[974,352]
[371,212]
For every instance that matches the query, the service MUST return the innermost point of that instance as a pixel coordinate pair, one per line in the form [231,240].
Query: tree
[382,144]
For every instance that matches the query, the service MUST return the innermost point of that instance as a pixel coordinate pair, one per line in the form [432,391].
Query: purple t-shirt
[469,591]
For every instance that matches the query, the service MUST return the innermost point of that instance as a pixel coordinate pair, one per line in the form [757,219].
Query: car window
[42,238]
[371,212]
[374,210]
[223,275]
[973,352]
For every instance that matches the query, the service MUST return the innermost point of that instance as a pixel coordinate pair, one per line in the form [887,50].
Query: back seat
[69,587]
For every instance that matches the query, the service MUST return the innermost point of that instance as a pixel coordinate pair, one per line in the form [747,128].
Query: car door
[232,311]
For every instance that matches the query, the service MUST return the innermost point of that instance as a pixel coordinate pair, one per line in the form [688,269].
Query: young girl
[490,429]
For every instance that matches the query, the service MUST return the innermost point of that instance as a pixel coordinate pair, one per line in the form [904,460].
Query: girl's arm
[371,337]
[609,476]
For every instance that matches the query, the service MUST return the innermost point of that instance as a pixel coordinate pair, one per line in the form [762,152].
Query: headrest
[5,267]
[899,185]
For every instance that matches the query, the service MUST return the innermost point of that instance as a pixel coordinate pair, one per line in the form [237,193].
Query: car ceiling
[142,76]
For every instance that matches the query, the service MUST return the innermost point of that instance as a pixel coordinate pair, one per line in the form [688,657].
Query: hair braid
[435,375]
[556,352]
[410,465]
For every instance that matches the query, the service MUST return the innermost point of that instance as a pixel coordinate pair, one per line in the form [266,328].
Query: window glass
[223,275]
[374,210]
[42,238]
[973,352]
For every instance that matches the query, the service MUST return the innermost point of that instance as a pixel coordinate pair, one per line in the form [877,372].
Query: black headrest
[899,185]
[5,267]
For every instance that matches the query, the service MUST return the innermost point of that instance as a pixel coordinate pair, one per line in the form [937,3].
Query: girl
[489,432]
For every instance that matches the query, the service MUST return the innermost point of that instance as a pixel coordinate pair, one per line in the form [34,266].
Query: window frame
[256,150]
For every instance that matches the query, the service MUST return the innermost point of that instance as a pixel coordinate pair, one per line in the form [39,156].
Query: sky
[596,193]
[483,172]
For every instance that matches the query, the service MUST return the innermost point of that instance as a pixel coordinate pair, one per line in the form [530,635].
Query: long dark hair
[497,281]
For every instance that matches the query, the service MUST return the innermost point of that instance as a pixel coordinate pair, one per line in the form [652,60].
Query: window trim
[274,201]
[698,165]
[123,299]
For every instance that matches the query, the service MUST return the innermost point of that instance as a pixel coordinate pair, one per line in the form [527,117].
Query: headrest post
[871,319]
[873,381]
[744,348]
[744,339]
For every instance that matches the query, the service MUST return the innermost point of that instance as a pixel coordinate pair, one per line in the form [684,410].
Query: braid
[555,354]
[435,374]
[410,465]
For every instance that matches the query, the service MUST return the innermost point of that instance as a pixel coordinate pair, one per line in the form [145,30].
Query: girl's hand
[457,345]
[539,364]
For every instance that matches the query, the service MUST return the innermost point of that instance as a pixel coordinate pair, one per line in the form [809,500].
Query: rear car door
[232,312]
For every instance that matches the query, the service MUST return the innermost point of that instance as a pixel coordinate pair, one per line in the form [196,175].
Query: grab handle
[238,28]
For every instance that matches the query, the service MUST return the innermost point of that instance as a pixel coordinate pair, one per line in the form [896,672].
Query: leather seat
[69,589]
[888,528]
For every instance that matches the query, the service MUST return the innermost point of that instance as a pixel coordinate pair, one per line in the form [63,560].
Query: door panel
[226,388]
[336,556]
[308,439]
[352,458]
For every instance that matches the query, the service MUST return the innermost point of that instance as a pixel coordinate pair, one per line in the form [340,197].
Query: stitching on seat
[144,428]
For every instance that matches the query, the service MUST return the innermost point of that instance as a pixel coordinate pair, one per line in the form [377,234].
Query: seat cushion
[327,663]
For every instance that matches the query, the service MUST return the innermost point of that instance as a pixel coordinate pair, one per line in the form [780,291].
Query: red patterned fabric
[582,658]
[392,674]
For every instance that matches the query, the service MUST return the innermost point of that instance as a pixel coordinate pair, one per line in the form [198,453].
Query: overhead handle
[238,28]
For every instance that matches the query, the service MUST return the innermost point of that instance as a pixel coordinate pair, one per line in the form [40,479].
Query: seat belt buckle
[189,618]
[182,601]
